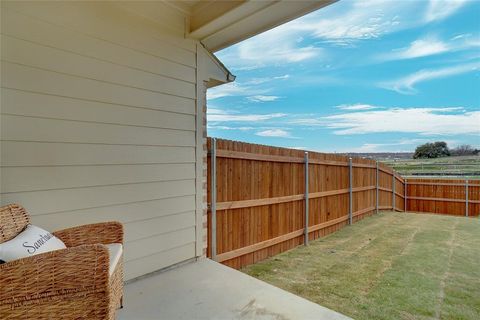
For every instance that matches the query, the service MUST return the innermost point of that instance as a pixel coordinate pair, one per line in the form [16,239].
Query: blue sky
[356,76]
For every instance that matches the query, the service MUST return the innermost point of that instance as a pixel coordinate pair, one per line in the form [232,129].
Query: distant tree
[432,150]
[464,150]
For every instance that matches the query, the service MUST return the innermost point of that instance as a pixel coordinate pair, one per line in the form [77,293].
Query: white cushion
[114,252]
[31,241]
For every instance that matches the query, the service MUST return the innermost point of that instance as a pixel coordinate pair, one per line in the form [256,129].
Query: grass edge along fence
[269,199]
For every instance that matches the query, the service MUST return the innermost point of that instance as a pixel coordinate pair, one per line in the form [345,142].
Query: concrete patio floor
[209,290]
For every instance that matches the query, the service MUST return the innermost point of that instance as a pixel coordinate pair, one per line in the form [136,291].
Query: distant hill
[381,155]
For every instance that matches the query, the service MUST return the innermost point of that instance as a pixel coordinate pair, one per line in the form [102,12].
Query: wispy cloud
[360,20]
[277,133]
[261,98]
[429,46]
[425,121]
[251,87]
[402,145]
[231,89]
[418,48]
[224,116]
[230,128]
[344,24]
[406,85]
[267,79]
[355,107]
[441,9]
[278,46]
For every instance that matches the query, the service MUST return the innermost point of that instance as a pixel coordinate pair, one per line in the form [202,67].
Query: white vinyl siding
[98,123]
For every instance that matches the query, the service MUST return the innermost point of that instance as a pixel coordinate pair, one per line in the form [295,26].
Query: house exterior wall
[100,121]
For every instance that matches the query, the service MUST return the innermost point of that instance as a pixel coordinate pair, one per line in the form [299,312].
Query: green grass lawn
[388,266]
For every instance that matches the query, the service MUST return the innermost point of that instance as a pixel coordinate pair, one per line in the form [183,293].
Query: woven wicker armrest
[105,233]
[60,274]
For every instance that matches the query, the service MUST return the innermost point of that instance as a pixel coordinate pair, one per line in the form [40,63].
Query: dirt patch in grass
[388,266]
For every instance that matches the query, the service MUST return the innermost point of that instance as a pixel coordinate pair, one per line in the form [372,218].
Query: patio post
[466,198]
[306,199]
[376,187]
[213,192]
[350,191]
[393,190]
[405,186]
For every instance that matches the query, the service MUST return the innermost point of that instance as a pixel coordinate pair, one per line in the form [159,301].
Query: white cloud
[419,48]
[406,85]
[441,9]
[431,46]
[368,148]
[230,89]
[261,98]
[343,23]
[277,46]
[216,111]
[407,146]
[267,79]
[230,128]
[236,117]
[247,88]
[426,121]
[359,20]
[354,107]
[461,36]
[277,133]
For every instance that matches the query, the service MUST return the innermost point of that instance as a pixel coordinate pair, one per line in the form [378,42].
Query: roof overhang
[212,70]
[219,24]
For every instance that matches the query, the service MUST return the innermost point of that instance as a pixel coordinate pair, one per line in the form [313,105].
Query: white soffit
[234,21]
[218,24]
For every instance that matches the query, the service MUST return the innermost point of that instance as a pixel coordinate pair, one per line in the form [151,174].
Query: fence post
[466,198]
[376,188]
[405,186]
[393,190]
[213,194]
[306,199]
[350,191]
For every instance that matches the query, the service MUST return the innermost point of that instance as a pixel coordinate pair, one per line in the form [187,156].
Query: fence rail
[268,200]
[444,196]
[265,200]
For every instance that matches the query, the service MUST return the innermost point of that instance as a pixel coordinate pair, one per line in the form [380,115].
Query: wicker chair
[72,283]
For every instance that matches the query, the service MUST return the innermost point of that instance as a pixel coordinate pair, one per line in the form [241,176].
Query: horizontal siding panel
[39,56]
[52,130]
[111,23]
[158,12]
[25,103]
[125,213]
[98,122]
[151,245]
[22,179]
[38,31]
[141,229]
[71,199]
[31,79]
[158,261]
[53,154]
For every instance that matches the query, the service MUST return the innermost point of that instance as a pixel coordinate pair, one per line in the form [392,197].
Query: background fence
[266,196]
[444,196]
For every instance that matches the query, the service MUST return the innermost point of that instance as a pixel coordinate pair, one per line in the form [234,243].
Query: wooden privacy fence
[265,200]
[443,196]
